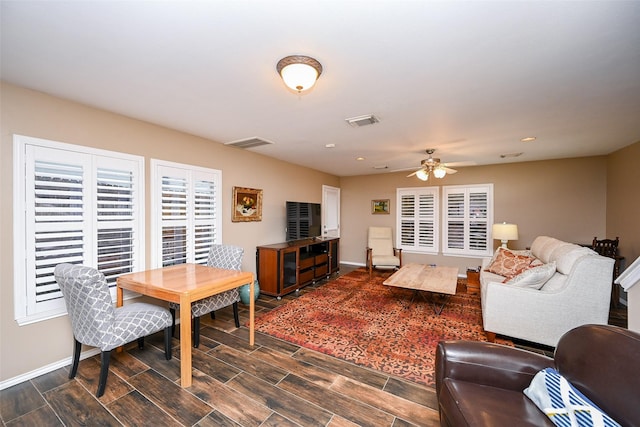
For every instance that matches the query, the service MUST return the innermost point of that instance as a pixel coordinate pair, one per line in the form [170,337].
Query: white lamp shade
[439,172]
[299,77]
[422,175]
[505,231]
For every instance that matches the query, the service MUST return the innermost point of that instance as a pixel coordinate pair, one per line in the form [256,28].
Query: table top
[193,281]
[423,277]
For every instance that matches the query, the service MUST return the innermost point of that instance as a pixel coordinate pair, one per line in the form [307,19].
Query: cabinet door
[334,262]
[289,269]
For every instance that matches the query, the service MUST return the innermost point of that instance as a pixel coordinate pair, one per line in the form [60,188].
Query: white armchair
[380,250]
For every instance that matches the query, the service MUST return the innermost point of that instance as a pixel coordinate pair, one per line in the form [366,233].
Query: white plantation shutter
[187,203]
[468,214]
[71,204]
[417,219]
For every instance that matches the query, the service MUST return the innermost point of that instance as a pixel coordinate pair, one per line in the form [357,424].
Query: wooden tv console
[285,267]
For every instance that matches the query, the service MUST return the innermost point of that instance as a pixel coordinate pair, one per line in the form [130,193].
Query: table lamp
[505,232]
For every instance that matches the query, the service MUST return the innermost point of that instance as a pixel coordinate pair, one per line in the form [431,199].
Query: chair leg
[141,343]
[236,317]
[173,321]
[104,372]
[77,346]
[196,332]
[167,343]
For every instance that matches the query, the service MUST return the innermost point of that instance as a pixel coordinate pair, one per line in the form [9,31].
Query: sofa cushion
[556,283]
[534,277]
[563,403]
[508,264]
[565,261]
[539,243]
[548,248]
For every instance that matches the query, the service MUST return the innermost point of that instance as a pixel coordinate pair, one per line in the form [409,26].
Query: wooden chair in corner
[609,248]
[380,250]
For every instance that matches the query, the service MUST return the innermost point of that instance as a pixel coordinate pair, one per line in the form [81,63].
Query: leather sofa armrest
[489,364]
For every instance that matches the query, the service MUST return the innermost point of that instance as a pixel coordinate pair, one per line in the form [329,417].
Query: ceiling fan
[431,166]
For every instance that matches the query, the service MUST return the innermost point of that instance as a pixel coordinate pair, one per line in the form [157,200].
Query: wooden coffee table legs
[437,306]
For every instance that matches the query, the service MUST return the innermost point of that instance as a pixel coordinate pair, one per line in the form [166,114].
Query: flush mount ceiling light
[299,72]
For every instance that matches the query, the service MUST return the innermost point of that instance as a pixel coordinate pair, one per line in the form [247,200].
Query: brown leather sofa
[481,384]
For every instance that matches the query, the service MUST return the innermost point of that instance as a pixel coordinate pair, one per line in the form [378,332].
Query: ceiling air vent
[249,142]
[360,121]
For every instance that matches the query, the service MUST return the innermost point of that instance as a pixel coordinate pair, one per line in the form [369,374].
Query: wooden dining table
[183,284]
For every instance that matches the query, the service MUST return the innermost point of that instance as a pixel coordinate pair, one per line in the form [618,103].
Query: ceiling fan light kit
[299,72]
[431,166]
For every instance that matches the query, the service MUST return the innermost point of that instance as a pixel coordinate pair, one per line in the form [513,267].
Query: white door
[330,211]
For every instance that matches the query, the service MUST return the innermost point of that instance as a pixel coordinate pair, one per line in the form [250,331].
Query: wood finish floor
[275,383]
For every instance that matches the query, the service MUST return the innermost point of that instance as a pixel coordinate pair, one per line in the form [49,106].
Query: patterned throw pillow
[563,403]
[534,277]
[508,264]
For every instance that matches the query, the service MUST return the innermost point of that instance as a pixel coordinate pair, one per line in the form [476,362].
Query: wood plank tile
[155,359]
[338,421]
[212,366]
[125,365]
[319,376]
[277,420]
[337,403]
[76,406]
[232,404]
[52,379]
[414,392]
[399,407]
[289,405]
[264,340]
[344,368]
[89,375]
[227,339]
[176,401]
[247,363]
[19,399]
[43,416]
[216,419]
[136,410]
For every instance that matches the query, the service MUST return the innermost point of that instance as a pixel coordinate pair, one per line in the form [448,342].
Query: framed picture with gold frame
[247,204]
[380,206]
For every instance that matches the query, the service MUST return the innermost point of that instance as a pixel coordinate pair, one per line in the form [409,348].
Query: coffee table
[429,278]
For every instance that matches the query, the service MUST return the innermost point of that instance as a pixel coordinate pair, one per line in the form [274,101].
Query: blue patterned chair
[220,256]
[96,322]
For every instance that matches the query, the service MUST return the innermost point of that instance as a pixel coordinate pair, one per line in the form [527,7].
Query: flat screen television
[304,220]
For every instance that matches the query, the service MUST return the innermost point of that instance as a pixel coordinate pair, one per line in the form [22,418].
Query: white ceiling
[470,79]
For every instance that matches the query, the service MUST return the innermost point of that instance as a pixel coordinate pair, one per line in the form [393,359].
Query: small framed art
[247,204]
[380,206]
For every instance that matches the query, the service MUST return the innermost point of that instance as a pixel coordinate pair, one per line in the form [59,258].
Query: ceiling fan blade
[449,170]
[413,173]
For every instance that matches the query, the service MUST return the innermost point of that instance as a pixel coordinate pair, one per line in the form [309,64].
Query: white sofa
[578,293]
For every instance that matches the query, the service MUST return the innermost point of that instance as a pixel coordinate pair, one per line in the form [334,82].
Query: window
[468,214]
[72,204]
[186,205]
[417,219]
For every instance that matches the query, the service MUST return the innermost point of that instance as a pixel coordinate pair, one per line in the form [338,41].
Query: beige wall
[568,199]
[623,213]
[27,348]
[565,199]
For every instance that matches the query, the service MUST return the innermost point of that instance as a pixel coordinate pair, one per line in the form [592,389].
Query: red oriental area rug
[377,326]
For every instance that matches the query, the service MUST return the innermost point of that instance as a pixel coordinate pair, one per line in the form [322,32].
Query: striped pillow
[563,403]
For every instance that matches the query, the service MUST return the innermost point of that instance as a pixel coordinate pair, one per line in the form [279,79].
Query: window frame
[190,173]
[434,219]
[467,219]
[27,152]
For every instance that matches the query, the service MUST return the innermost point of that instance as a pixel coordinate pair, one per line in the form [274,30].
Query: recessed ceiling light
[528,139]
[359,158]
[330,145]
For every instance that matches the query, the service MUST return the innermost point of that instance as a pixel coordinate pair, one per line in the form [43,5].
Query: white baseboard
[46,369]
